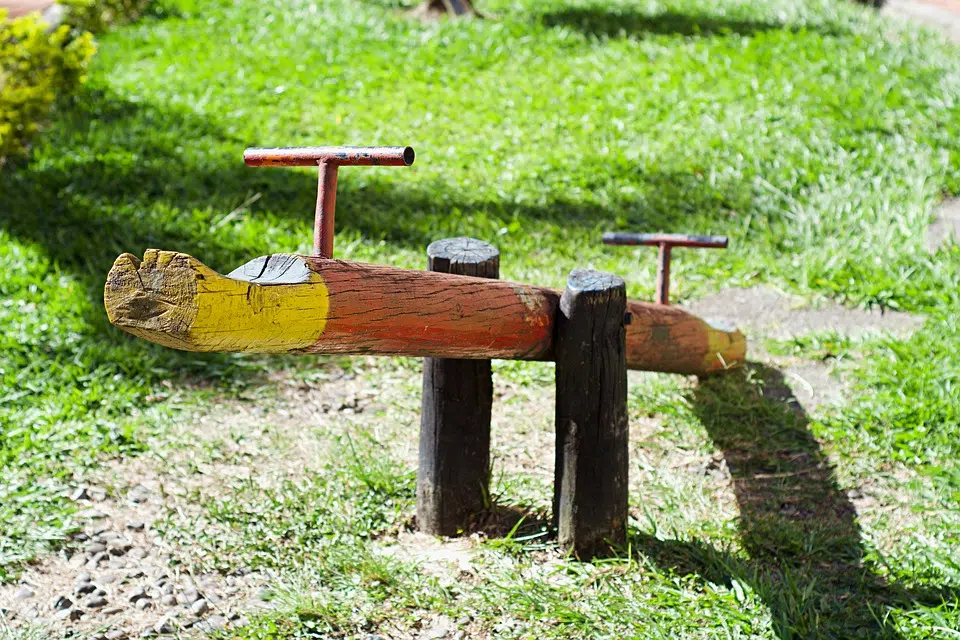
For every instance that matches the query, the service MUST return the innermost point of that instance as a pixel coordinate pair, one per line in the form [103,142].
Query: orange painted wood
[377,309]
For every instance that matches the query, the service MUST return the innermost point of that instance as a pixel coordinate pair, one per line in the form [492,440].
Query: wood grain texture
[355,308]
[590,486]
[454,464]
[175,300]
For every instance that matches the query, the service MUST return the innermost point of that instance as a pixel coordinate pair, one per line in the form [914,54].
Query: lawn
[818,136]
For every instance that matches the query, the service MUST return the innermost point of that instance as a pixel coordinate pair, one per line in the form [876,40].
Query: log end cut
[155,298]
[175,300]
[726,348]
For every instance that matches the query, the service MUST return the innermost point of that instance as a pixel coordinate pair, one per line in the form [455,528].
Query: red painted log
[301,304]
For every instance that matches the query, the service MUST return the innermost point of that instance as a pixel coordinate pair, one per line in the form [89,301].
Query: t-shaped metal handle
[329,159]
[666,242]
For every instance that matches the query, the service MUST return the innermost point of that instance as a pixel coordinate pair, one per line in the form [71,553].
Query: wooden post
[590,490]
[436,8]
[454,473]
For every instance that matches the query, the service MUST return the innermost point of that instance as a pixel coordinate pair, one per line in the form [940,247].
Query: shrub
[97,16]
[35,65]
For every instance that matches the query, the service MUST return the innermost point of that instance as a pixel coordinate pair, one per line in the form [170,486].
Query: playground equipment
[666,242]
[308,304]
[328,160]
[458,316]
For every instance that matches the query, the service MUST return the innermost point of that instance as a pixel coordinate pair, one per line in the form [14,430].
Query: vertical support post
[663,274]
[323,222]
[590,490]
[454,469]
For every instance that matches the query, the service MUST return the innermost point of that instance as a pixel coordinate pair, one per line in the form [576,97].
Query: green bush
[97,16]
[35,65]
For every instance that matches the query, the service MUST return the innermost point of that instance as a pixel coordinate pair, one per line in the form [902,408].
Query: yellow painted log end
[175,300]
[727,348]
[154,299]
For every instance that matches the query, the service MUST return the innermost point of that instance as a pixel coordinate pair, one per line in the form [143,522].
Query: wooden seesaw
[458,316]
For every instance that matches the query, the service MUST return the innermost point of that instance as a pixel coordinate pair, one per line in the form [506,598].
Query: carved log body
[300,304]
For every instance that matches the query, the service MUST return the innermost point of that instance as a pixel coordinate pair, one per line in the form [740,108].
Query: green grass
[813,133]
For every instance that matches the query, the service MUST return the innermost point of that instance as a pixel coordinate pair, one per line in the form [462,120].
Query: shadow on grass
[627,22]
[130,176]
[797,526]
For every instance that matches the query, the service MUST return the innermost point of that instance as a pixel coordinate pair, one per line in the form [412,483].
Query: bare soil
[139,583]
[946,225]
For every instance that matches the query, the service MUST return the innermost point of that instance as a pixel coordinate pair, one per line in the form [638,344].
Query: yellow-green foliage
[99,15]
[35,66]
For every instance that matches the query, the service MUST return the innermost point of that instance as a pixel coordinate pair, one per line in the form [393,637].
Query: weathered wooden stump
[590,488]
[437,8]
[454,471]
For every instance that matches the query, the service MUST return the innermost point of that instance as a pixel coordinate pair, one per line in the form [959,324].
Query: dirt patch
[946,225]
[765,313]
[121,578]
[446,559]
[813,384]
[942,15]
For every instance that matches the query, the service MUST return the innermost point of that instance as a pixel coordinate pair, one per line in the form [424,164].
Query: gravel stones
[88,494]
[199,607]
[138,494]
[211,624]
[164,626]
[119,580]
[69,614]
[93,548]
[24,593]
[77,560]
[94,562]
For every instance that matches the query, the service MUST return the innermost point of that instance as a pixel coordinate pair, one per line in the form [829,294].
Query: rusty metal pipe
[657,239]
[663,274]
[323,220]
[340,156]
[328,160]
[666,242]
